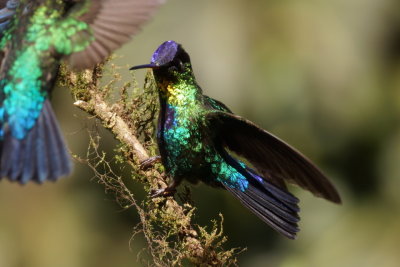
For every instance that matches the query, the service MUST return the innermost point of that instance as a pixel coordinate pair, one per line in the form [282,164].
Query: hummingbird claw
[145,164]
[168,191]
[163,192]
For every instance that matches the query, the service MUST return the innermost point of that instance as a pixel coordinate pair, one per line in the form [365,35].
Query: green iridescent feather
[24,93]
[185,137]
[43,33]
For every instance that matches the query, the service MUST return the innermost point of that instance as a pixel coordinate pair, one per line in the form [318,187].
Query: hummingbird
[80,32]
[200,139]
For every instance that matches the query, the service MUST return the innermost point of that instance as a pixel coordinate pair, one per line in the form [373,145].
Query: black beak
[145,66]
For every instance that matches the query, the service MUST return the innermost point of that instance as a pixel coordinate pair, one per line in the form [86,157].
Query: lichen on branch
[129,113]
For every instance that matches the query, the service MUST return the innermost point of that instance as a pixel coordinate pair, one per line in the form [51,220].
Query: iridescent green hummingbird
[200,139]
[81,32]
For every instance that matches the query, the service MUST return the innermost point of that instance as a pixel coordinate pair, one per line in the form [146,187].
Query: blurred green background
[323,75]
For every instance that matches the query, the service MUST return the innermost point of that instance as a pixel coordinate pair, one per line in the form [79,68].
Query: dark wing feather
[215,104]
[270,155]
[112,22]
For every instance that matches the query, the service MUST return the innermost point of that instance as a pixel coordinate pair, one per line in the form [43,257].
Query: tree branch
[166,224]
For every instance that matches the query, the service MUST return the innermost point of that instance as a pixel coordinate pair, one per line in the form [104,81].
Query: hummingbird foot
[163,192]
[168,191]
[145,164]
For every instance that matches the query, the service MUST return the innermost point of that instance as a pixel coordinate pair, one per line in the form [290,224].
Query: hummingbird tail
[271,204]
[40,156]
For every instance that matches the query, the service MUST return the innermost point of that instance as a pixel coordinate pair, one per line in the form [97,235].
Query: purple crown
[165,53]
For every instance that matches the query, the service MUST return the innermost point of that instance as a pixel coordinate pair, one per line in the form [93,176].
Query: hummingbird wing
[215,104]
[272,204]
[270,155]
[111,24]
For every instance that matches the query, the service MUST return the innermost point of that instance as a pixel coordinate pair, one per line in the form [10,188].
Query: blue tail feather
[287,201]
[276,191]
[273,205]
[59,153]
[41,155]
[29,164]
[42,165]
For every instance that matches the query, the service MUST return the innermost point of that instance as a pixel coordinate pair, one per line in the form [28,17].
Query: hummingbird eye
[172,69]
[180,65]
[177,65]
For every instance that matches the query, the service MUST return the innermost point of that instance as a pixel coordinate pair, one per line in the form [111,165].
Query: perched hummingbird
[197,136]
[82,32]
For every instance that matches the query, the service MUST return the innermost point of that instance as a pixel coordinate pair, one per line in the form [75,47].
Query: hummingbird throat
[180,93]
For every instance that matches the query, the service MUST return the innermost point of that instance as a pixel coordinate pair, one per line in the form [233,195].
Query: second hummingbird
[83,32]
[196,137]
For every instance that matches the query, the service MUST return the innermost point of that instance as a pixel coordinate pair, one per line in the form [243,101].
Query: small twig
[97,107]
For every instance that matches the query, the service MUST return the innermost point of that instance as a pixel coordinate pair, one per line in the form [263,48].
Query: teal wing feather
[269,155]
[215,104]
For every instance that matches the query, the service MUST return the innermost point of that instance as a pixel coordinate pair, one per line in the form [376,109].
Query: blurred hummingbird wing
[112,23]
[269,154]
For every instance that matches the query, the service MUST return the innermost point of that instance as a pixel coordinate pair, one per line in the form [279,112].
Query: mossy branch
[167,225]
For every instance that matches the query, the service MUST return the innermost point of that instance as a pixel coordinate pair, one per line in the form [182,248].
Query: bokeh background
[323,75]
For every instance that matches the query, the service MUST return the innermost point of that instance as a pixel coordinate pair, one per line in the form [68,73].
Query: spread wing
[111,24]
[270,155]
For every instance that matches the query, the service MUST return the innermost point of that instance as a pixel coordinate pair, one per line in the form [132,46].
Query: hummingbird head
[172,72]
[169,54]
[169,60]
